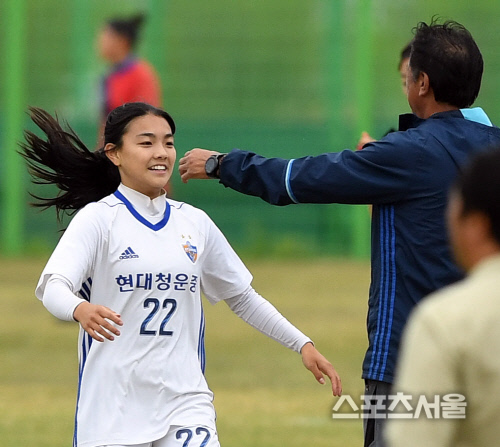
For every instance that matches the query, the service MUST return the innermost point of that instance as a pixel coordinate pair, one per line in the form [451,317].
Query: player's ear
[112,153]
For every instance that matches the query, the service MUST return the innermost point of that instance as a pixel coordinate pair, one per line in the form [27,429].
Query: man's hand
[364,139]
[319,365]
[192,165]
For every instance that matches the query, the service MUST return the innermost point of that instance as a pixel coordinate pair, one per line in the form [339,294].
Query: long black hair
[62,159]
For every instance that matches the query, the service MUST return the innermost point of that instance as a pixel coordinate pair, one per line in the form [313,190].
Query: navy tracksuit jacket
[406,176]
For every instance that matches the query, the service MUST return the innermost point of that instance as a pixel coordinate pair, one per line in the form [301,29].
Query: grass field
[263,395]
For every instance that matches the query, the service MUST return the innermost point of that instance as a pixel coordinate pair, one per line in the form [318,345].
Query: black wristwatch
[212,165]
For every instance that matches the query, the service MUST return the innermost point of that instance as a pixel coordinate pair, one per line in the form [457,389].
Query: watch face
[211,165]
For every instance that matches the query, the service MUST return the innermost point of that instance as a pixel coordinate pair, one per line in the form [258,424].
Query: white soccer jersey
[149,266]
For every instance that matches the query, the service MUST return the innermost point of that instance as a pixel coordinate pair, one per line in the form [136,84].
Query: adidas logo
[128,254]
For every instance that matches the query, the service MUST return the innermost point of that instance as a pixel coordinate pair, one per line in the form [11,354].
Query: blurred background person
[403,69]
[131,78]
[452,341]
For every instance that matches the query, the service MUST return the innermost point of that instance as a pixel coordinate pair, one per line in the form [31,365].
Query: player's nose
[160,151]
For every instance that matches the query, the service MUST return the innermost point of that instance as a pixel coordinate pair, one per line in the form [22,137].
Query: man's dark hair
[478,185]
[452,60]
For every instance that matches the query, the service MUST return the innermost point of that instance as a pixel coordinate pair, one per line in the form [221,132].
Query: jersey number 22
[169,305]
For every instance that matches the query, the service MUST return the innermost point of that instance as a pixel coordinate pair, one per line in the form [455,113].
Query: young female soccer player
[130,268]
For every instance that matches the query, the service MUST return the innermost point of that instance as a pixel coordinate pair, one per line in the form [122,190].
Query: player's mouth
[158,168]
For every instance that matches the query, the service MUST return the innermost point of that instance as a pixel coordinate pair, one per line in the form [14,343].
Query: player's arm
[69,265]
[224,277]
[61,302]
[381,172]
[263,316]
[97,321]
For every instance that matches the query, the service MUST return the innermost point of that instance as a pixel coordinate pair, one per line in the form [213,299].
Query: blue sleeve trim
[477,115]
[287,181]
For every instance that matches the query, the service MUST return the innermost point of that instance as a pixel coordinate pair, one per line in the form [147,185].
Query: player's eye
[146,143]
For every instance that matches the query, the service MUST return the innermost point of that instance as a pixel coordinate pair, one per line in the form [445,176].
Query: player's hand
[319,365]
[192,165]
[97,321]
[364,139]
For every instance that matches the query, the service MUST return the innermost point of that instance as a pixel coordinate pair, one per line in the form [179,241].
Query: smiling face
[146,156]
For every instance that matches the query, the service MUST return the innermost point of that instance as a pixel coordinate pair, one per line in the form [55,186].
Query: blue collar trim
[133,211]
[476,114]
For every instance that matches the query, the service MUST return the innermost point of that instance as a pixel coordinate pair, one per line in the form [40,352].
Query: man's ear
[424,84]
[476,228]
[112,153]
[481,224]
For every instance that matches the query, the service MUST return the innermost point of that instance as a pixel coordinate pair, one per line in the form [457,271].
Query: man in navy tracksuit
[406,176]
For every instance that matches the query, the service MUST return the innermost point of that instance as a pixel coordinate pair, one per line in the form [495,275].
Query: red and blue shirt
[130,81]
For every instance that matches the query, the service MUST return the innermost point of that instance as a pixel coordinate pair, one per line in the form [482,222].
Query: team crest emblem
[191,251]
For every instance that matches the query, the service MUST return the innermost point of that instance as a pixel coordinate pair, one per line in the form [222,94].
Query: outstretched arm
[381,173]
[263,316]
[242,171]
